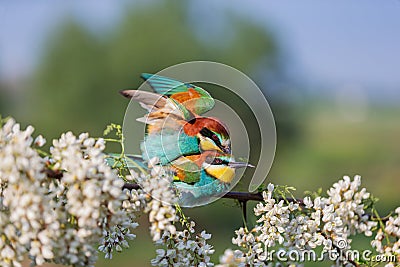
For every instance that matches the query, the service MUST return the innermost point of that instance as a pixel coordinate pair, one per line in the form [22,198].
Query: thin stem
[109,140]
[380,221]
[243,204]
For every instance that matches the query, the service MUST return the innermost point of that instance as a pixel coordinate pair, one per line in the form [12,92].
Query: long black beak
[237,165]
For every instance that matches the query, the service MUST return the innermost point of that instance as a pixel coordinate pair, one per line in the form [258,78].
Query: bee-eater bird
[196,149]
[174,125]
[197,177]
[200,177]
[195,169]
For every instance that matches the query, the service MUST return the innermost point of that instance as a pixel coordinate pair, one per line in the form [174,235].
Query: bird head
[213,134]
[214,140]
[223,166]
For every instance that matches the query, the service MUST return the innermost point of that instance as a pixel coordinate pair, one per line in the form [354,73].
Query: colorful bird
[197,178]
[196,149]
[201,178]
[174,122]
[197,169]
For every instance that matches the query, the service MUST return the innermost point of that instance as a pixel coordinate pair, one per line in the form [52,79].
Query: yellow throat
[221,172]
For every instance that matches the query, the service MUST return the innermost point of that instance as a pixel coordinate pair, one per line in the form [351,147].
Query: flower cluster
[387,240]
[92,193]
[162,214]
[184,248]
[157,197]
[28,212]
[326,222]
[348,202]
[63,207]
[60,220]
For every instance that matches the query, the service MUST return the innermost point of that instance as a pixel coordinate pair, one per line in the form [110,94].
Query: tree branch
[240,196]
[53,174]
[244,196]
[130,186]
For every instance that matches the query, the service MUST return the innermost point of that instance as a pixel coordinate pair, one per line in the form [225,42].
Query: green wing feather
[190,169]
[168,87]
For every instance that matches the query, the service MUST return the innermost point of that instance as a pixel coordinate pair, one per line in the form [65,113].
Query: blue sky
[338,43]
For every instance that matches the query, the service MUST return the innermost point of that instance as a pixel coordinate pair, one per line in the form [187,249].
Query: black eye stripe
[208,133]
[218,161]
[193,121]
[217,141]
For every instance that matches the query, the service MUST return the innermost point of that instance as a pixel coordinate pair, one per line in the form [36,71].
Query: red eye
[217,161]
[214,137]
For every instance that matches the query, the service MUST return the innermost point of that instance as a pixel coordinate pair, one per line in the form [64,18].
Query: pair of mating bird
[196,149]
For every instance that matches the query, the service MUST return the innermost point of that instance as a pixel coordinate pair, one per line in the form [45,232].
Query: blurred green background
[329,76]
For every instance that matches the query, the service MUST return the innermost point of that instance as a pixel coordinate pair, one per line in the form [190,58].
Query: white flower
[40,141]
[270,187]
[307,202]
[93,196]
[231,258]
[183,248]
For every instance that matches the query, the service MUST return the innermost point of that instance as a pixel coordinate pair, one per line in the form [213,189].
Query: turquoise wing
[168,146]
[163,85]
[200,193]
